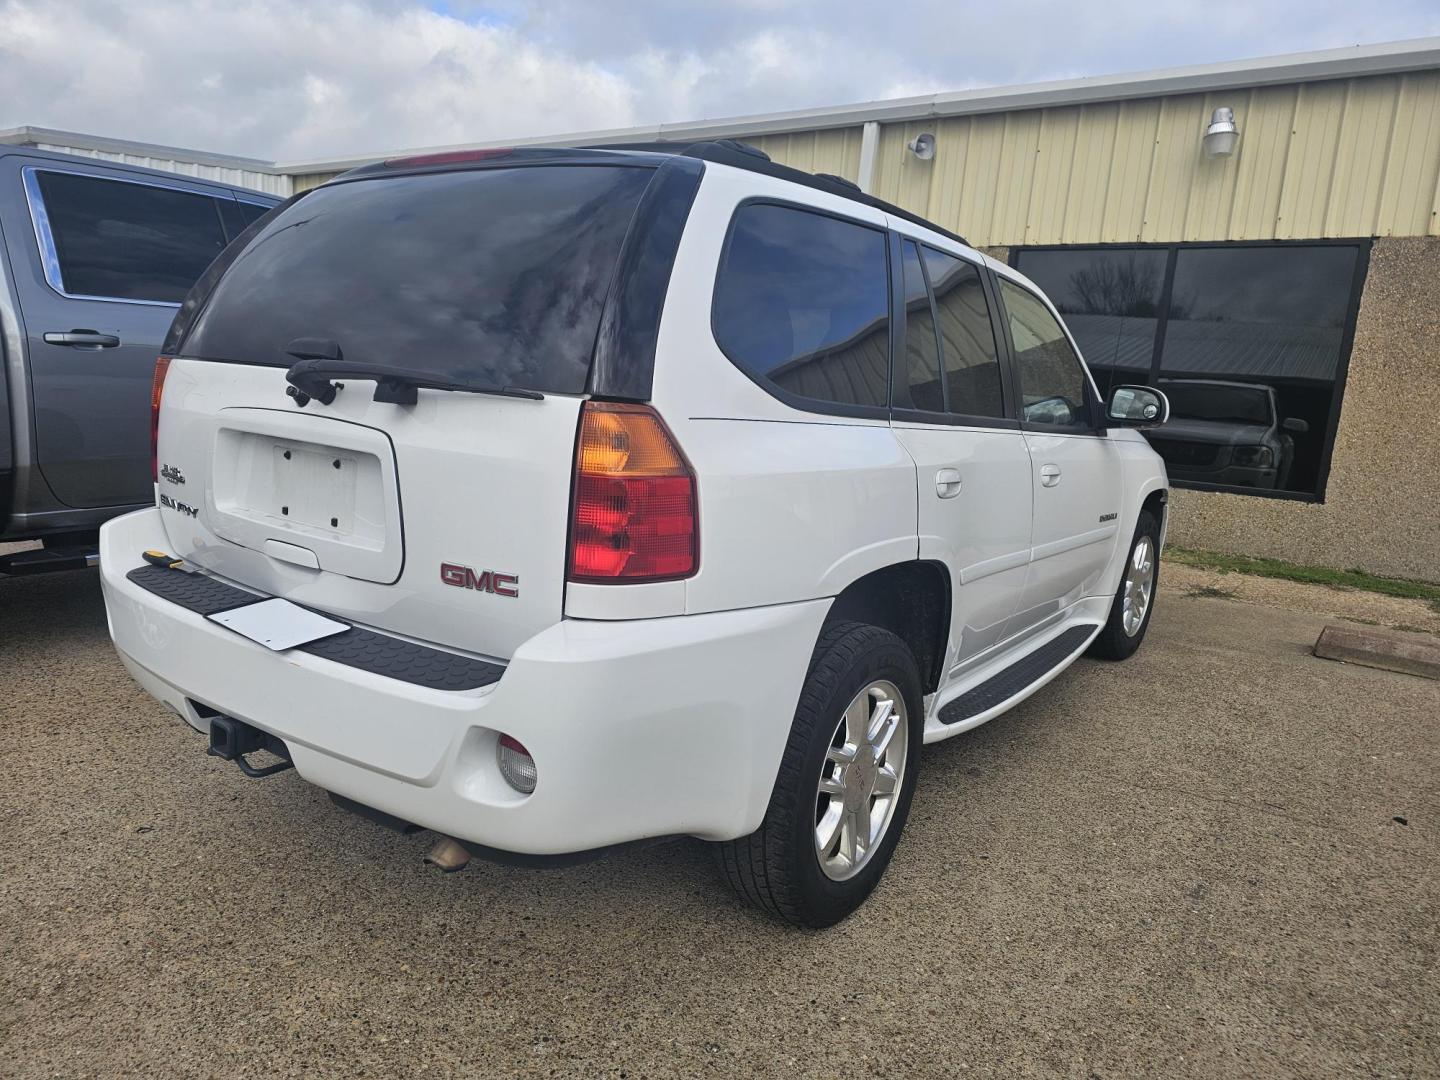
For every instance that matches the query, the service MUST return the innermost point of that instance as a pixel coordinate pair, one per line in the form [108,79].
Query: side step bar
[48,560]
[1019,675]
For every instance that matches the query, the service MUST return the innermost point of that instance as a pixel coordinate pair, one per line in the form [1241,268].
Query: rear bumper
[644,728]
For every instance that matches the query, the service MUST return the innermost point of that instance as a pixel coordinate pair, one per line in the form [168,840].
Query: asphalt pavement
[1220,859]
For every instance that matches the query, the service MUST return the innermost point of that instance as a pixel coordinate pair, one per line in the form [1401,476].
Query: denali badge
[184,508]
[1107,517]
[491,581]
[172,473]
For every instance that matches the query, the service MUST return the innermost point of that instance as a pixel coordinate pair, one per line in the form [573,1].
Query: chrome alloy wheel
[860,779]
[1139,585]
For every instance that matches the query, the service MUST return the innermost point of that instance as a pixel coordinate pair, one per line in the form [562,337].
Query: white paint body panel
[650,709]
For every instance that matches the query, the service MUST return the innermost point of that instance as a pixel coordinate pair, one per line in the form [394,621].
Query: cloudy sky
[312,78]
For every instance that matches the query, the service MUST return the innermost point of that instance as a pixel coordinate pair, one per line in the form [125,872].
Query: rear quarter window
[802,305]
[491,276]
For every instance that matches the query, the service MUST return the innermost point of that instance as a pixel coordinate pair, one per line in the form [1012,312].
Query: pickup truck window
[121,240]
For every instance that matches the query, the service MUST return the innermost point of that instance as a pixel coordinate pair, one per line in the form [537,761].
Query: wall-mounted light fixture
[1222,133]
[922,146]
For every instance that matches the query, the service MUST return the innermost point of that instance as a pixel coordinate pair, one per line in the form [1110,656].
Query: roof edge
[1388,58]
[29,135]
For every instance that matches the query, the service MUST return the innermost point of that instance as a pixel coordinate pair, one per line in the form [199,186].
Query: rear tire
[1123,632]
[830,781]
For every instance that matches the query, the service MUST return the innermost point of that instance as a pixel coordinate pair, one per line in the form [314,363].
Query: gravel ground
[1218,859]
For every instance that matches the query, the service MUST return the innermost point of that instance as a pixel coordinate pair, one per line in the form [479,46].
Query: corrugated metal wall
[1357,157]
[253,179]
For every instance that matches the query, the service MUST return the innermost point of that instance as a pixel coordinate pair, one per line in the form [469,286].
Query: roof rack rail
[741,155]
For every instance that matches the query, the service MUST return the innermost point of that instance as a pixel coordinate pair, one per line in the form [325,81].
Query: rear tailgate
[444,520]
[459,481]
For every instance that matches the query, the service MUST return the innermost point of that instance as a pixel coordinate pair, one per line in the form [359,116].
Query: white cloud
[310,78]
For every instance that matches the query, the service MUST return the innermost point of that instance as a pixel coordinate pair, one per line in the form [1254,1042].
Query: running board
[1017,677]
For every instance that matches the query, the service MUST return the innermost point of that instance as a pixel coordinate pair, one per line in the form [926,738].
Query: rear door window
[495,277]
[802,306]
[923,377]
[126,241]
[972,364]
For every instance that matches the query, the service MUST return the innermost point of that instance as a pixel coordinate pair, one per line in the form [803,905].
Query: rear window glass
[494,277]
[802,302]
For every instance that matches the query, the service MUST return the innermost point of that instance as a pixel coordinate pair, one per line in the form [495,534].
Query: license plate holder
[278,624]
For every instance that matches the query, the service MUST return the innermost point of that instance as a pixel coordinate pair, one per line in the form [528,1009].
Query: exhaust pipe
[449,855]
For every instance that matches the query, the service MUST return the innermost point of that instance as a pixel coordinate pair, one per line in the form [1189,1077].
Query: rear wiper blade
[311,378]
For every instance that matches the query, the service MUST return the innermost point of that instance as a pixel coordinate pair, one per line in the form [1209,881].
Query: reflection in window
[1110,299]
[1052,383]
[126,240]
[972,366]
[802,301]
[922,354]
[1251,353]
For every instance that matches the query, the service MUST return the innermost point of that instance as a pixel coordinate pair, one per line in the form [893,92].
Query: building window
[1250,341]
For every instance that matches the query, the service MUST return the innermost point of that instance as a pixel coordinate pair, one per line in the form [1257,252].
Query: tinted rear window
[491,276]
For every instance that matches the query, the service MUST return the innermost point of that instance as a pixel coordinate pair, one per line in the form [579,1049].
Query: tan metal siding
[306,181]
[1354,157]
[835,151]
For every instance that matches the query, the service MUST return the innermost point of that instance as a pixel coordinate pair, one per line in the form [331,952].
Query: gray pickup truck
[95,258]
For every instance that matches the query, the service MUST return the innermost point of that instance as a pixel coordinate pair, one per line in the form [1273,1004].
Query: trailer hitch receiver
[232,740]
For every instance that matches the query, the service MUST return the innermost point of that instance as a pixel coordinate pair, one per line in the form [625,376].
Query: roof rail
[742,155]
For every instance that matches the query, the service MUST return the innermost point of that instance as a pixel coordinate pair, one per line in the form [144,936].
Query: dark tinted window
[922,353]
[490,276]
[129,241]
[1052,382]
[801,301]
[252,211]
[1246,323]
[1111,302]
[972,366]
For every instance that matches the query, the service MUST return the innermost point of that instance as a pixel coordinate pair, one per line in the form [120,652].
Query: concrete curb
[1393,650]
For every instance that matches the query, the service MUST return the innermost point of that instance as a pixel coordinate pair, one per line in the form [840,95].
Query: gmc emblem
[491,581]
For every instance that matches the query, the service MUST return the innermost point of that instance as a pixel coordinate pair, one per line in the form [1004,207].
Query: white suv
[561,499]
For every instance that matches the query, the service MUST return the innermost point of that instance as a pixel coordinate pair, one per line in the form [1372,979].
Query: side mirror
[1137,406]
[1295,424]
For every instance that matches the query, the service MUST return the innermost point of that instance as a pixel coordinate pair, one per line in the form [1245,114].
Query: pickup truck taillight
[157,390]
[634,507]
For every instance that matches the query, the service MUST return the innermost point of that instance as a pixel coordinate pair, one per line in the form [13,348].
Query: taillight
[157,390]
[635,506]
[448,157]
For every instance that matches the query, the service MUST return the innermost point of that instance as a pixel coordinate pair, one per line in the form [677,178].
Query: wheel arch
[910,599]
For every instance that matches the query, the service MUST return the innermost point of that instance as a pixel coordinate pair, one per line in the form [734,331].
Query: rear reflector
[448,157]
[157,391]
[516,764]
[634,506]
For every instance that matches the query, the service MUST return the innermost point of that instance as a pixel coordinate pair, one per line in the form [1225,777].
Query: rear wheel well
[912,601]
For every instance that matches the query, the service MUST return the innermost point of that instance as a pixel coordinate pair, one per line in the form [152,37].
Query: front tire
[844,786]
[1135,599]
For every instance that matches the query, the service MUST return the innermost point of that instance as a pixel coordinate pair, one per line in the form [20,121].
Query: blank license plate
[278,624]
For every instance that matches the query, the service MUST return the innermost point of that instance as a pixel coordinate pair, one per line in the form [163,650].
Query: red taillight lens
[448,157]
[157,390]
[634,509]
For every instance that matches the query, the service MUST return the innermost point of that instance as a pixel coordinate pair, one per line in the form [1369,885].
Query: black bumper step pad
[1016,677]
[378,654]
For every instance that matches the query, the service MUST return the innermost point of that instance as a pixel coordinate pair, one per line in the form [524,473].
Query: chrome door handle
[948,483]
[83,339]
[1049,475]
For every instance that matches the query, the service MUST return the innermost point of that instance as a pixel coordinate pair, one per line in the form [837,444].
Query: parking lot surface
[1217,859]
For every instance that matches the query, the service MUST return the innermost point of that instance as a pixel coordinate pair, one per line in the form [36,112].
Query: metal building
[1261,238]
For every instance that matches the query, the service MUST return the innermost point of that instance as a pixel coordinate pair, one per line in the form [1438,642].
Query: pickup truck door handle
[1049,475]
[83,339]
[948,483]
